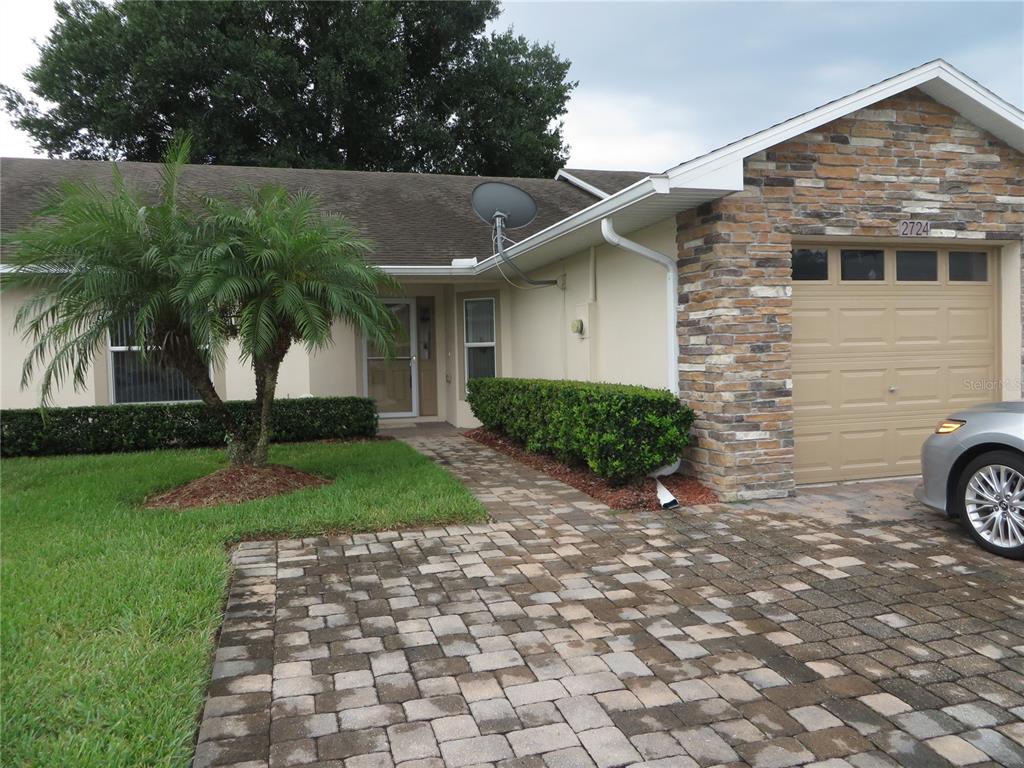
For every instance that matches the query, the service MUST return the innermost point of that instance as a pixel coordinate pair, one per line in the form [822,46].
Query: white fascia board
[979,105]
[420,270]
[985,98]
[576,181]
[411,270]
[976,99]
[727,176]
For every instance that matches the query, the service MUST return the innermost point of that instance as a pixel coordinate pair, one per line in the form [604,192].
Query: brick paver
[844,627]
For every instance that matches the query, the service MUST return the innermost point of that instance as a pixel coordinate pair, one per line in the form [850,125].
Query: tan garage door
[886,341]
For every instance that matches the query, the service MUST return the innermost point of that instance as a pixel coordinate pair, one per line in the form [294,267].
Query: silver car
[972,468]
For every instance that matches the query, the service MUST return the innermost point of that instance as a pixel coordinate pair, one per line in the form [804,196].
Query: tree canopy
[389,86]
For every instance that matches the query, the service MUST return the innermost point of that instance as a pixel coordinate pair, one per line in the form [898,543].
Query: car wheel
[990,500]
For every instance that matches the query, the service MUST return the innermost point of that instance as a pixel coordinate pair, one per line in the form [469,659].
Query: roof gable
[938,79]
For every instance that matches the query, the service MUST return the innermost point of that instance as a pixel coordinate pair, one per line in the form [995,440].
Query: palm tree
[186,279]
[280,272]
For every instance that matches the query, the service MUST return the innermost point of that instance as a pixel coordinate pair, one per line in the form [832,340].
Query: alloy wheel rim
[994,501]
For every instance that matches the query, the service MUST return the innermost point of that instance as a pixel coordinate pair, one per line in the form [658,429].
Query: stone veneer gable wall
[907,157]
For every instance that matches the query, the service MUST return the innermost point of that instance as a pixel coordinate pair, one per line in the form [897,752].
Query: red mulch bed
[234,485]
[640,495]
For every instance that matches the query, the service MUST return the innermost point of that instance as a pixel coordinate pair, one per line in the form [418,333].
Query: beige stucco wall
[293,378]
[14,350]
[622,305]
[238,378]
[623,312]
[336,370]
[624,339]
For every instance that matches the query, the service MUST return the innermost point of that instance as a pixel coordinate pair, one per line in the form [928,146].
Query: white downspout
[671,289]
[592,297]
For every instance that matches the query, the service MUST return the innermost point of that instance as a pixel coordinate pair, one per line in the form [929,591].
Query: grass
[109,611]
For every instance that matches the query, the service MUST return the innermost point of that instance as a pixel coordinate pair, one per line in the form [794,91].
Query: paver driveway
[862,631]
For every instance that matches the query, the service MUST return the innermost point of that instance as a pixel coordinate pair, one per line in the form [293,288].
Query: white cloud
[998,64]
[613,130]
[18,33]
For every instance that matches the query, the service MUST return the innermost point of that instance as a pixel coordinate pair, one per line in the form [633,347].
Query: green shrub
[115,428]
[621,432]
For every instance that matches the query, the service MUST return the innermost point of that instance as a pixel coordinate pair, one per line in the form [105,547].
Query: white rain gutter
[671,293]
[419,270]
[635,193]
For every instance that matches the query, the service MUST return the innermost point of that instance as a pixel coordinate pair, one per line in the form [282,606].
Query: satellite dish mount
[505,206]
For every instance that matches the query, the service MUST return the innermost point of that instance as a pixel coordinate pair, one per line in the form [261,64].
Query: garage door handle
[893,388]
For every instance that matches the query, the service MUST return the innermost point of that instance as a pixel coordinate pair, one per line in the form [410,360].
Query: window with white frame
[481,361]
[134,380]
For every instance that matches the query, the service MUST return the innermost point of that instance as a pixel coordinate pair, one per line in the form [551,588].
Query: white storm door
[393,382]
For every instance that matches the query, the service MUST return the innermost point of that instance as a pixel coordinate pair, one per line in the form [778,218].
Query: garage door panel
[919,385]
[919,326]
[907,446]
[970,325]
[968,383]
[817,390]
[860,389]
[875,366]
[815,453]
[863,327]
[813,328]
[845,449]
[863,449]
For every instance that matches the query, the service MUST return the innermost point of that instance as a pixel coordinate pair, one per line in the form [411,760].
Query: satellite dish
[516,207]
[504,206]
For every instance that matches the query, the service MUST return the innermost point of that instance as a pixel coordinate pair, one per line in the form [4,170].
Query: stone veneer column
[735,332]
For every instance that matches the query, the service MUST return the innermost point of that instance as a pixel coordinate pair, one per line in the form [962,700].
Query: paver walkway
[563,635]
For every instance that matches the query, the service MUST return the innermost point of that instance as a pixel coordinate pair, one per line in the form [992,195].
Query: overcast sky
[662,82]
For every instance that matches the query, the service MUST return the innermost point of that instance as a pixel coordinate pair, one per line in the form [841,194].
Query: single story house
[820,292]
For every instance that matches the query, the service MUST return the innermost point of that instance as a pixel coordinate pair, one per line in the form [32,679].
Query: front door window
[391,382]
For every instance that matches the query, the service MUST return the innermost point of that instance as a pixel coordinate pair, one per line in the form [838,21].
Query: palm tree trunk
[197,373]
[266,386]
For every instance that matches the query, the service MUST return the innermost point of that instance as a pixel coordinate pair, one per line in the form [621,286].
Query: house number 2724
[913,228]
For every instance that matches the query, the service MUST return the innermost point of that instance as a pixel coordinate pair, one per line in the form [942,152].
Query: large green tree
[396,86]
[184,277]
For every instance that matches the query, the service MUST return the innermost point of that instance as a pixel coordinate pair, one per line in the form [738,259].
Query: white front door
[393,382]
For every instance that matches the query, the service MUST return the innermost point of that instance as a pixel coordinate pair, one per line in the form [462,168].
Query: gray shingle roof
[412,218]
[608,181]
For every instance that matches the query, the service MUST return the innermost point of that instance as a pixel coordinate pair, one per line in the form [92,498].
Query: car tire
[994,472]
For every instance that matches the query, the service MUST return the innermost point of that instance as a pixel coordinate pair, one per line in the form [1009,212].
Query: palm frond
[289,271]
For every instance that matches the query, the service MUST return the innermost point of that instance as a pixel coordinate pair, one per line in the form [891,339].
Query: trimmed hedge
[621,432]
[143,427]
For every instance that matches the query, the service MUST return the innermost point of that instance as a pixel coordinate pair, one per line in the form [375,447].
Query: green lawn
[109,611]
